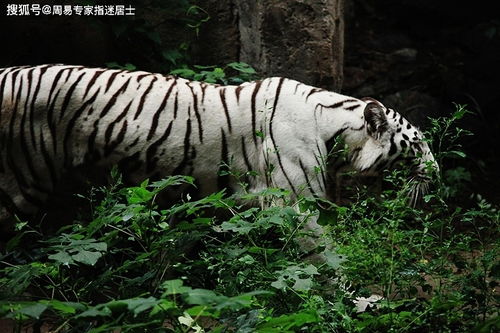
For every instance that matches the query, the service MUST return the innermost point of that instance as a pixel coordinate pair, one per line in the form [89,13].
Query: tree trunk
[299,39]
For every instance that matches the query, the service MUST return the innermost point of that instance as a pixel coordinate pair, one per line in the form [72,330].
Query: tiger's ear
[375,119]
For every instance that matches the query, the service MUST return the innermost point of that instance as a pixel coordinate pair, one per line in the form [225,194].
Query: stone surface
[296,38]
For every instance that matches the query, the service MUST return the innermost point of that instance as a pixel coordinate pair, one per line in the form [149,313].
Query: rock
[294,38]
[405,55]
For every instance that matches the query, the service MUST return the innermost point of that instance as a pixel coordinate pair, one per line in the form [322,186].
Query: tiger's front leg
[301,175]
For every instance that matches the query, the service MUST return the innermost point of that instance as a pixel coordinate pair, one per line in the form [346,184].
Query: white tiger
[54,118]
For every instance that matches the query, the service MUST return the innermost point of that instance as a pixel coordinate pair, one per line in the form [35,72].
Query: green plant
[241,72]
[138,37]
[218,264]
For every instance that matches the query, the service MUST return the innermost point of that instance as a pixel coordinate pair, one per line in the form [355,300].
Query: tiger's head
[389,139]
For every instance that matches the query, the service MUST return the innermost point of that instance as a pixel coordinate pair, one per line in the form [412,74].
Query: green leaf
[302,284]
[98,311]
[64,307]
[247,259]
[311,270]
[238,302]
[199,310]
[138,305]
[62,258]
[87,257]
[172,55]
[280,283]
[172,287]
[203,297]
[184,72]
[461,111]
[242,67]
[98,246]
[130,67]
[458,153]
[239,226]
[327,216]
[33,310]
[333,259]
[287,322]
[162,306]
[134,305]
[139,195]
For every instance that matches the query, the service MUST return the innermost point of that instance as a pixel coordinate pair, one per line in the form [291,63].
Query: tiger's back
[54,118]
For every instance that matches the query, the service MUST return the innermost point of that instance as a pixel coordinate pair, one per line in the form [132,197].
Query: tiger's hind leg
[16,201]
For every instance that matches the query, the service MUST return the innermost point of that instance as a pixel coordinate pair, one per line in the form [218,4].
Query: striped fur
[54,118]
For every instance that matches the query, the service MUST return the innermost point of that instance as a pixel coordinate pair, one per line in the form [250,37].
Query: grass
[130,269]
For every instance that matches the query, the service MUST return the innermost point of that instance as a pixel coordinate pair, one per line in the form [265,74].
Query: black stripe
[117,140]
[111,79]
[109,131]
[331,142]
[22,182]
[51,123]
[278,155]
[304,172]
[176,104]
[187,147]
[71,124]
[48,160]
[143,97]
[92,155]
[394,149]
[203,88]
[2,90]
[142,76]
[336,105]
[156,116]
[91,82]
[151,158]
[352,108]
[113,99]
[222,94]
[55,82]
[195,108]
[10,138]
[254,95]
[136,141]
[223,180]
[296,88]
[321,165]
[245,155]
[111,126]
[313,91]
[69,93]
[237,91]
[22,128]
[32,106]
[14,113]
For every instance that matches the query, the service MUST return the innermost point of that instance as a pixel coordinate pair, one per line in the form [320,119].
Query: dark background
[420,57]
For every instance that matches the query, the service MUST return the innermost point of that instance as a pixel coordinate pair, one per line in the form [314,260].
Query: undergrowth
[216,265]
